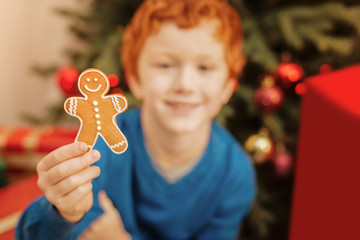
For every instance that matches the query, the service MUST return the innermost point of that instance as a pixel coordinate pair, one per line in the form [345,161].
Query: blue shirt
[207,203]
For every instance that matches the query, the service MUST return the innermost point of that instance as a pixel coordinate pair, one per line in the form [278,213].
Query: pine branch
[108,58]
[303,24]
[256,47]
[73,14]
[340,45]
[259,218]
[246,93]
[132,101]
[225,112]
[44,71]
[275,125]
[81,33]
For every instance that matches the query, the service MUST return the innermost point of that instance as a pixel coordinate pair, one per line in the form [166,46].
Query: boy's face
[182,77]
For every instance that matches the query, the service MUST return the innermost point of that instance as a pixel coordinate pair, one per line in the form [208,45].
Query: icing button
[98,122]
[97,115]
[95,103]
[98,128]
[96,109]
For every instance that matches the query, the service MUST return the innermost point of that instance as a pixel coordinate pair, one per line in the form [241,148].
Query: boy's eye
[164,65]
[205,68]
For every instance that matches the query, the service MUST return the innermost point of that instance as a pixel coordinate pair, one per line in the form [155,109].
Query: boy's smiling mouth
[182,107]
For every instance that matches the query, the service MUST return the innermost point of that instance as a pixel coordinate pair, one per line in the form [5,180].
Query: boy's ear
[229,88]
[134,86]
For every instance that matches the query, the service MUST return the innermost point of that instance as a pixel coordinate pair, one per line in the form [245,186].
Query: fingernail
[98,171]
[95,154]
[102,192]
[82,147]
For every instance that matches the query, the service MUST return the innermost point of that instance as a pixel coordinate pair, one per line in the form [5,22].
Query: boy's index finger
[62,154]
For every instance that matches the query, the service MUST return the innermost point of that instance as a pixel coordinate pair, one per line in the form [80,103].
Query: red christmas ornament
[325,68]
[283,163]
[268,97]
[113,79]
[289,73]
[116,91]
[67,78]
[300,88]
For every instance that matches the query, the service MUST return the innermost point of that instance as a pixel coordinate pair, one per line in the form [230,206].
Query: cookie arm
[71,106]
[119,103]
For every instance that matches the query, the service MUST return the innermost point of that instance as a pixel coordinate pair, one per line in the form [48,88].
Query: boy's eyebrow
[161,54]
[206,56]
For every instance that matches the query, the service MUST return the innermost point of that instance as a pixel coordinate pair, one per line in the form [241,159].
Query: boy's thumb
[105,202]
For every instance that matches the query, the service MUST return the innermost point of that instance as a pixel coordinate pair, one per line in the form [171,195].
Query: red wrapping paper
[54,138]
[326,199]
[15,139]
[22,147]
[14,199]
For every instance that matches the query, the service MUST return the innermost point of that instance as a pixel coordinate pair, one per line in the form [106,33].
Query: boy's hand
[108,226]
[65,177]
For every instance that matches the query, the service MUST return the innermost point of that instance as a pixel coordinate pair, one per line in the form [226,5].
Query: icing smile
[93,90]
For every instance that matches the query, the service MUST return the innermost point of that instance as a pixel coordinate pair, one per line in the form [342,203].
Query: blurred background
[31,33]
[44,45]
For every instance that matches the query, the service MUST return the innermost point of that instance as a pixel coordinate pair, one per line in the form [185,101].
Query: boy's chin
[187,126]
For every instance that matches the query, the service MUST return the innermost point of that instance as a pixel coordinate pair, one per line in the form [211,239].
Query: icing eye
[95,79]
[88,79]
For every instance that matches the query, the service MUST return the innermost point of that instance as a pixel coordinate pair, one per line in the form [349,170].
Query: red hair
[186,14]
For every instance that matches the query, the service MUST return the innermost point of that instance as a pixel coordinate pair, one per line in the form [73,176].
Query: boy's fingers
[70,167]
[69,184]
[79,193]
[81,197]
[61,154]
[105,202]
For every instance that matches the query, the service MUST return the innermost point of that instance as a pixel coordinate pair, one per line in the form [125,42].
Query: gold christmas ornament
[260,146]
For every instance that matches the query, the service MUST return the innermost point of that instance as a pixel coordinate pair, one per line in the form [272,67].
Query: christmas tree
[285,42]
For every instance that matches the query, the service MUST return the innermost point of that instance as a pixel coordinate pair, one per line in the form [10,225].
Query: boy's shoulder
[232,153]
[129,121]
[221,137]
[129,115]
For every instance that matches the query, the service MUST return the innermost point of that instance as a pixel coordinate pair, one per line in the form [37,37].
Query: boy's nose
[184,81]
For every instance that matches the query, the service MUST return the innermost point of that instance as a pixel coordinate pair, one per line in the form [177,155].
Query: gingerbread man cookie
[97,111]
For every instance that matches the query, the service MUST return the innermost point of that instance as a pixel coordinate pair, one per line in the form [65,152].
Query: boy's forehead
[205,26]
[199,37]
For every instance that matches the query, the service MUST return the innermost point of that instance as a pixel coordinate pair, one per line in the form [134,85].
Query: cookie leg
[115,139]
[87,135]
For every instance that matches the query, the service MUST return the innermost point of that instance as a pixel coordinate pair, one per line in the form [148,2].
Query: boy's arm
[65,176]
[236,201]
[41,220]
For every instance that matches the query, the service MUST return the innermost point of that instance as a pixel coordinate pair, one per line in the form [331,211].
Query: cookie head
[93,82]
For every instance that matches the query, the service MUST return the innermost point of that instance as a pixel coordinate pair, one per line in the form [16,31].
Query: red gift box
[14,199]
[326,199]
[23,147]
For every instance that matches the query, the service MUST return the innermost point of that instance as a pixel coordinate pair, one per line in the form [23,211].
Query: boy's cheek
[160,83]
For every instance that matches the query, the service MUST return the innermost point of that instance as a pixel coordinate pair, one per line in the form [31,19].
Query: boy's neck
[170,149]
